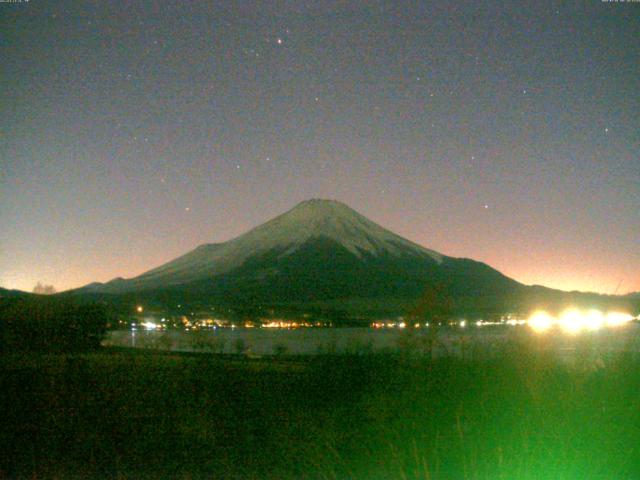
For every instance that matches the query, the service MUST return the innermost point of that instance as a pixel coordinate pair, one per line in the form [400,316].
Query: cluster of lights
[396,325]
[189,324]
[573,320]
[290,324]
[461,323]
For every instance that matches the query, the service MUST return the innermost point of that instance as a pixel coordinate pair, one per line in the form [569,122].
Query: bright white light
[616,319]
[594,319]
[571,320]
[149,325]
[540,321]
[463,323]
[402,325]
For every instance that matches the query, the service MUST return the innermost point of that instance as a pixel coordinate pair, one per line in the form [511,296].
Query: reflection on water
[312,341]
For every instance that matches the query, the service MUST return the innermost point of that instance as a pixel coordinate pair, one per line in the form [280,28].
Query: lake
[313,341]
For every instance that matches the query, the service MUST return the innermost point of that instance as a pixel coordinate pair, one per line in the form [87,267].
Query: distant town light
[139,309]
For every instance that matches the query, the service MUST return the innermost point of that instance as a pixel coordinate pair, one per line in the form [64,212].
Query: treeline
[51,324]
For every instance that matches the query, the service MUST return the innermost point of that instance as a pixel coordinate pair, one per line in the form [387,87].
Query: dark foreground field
[122,414]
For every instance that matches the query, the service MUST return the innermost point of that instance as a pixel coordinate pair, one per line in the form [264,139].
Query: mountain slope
[5,293]
[321,252]
[285,234]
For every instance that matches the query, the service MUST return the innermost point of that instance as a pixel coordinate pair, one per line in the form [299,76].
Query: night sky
[507,132]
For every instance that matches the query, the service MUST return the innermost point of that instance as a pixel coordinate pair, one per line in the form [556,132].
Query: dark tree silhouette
[49,324]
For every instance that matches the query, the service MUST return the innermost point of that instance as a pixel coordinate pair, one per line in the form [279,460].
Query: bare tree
[44,289]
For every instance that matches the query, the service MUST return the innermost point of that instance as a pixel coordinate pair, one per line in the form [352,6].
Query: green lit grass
[126,414]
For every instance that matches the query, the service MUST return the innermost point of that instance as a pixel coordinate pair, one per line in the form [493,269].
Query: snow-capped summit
[333,220]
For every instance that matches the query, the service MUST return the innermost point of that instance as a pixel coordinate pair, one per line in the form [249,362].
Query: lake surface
[313,341]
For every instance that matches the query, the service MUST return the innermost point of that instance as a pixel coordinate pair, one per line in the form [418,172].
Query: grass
[136,414]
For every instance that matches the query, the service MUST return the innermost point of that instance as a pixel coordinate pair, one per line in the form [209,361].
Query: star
[279,41]
[606,130]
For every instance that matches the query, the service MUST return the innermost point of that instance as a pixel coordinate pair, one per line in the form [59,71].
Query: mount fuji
[321,253]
